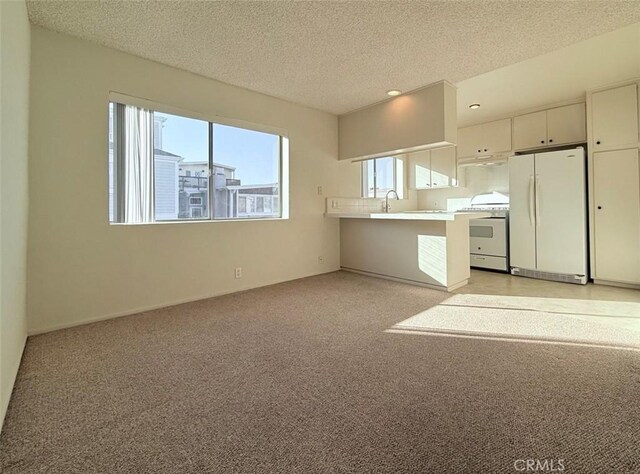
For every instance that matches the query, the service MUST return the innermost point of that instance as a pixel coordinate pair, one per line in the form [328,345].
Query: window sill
[198,221]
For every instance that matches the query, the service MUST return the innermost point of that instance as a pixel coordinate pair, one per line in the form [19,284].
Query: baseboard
[406,280]
[14,375]
[166,304]
[632,286]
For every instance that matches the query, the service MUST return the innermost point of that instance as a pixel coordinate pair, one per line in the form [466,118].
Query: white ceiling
[551,78]
[335,56]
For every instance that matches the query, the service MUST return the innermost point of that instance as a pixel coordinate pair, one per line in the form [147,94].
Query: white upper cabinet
[443,167]
[485,139]
[567,124]
[420,170]
[469,141]
[557,126]
[614,115]
[431,169]
[530,130]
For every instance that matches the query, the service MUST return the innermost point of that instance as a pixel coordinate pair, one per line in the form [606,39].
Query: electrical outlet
[238,272]
[320,259]
[319,190]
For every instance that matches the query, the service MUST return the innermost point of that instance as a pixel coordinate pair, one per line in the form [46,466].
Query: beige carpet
[534,319]
[303,377]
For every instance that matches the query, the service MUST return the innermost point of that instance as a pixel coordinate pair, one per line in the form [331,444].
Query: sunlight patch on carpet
[601,323]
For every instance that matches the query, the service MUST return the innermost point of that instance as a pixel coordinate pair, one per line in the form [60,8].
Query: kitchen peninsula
[427,248]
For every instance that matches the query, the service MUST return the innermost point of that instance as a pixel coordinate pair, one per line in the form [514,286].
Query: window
[380,175]
[184,152]
[166,167]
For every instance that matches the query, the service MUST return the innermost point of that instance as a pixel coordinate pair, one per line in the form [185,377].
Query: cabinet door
[615,117]
[566,125]
[420,169]
[495,137]
[443,167]
[530,130]
[616,182]
[469,141]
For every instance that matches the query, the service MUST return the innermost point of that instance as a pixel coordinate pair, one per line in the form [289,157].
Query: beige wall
[82,269]
[14,107]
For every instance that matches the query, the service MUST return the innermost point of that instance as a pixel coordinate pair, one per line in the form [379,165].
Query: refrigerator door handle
[531,203]
[537,193]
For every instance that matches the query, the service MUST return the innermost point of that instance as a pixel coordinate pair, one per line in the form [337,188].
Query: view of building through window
[246,173]
[193,158]
[181,167]
[380,175]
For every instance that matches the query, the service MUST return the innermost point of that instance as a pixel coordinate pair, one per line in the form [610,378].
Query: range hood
[419,120]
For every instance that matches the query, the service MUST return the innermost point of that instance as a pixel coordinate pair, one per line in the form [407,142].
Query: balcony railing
[193,182]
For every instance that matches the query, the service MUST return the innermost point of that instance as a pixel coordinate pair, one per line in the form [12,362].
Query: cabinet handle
[598,142]
[479,151]
[599,207]
[485,149]
[550,141]
[541,141]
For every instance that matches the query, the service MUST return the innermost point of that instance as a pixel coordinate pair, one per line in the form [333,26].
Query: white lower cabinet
[616,193]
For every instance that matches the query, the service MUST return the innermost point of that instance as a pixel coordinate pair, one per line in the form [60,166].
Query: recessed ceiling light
[474,106]
[394,92]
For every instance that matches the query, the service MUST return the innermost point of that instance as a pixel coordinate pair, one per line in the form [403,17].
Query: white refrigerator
[548,216]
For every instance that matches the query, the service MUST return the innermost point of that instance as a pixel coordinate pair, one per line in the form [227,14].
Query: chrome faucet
[387,207]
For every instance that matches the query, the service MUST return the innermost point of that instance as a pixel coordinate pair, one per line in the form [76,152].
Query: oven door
[488,236]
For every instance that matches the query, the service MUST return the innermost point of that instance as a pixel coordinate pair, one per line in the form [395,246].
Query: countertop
[411,215]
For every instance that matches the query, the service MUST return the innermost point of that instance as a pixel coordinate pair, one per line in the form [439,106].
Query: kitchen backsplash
[476,180]
[338,205]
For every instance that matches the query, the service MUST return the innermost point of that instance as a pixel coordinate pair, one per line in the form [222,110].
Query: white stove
[488,237]
[495,211]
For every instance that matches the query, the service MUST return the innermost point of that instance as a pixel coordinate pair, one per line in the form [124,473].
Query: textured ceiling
[551,78]
[335,56]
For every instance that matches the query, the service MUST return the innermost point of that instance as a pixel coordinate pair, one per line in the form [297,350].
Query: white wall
[14,107]
[82,269]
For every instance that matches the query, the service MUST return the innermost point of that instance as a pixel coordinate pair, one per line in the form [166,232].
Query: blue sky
[254,154]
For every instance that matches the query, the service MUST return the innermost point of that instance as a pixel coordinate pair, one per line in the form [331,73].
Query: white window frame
[283,158]
[399,177]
